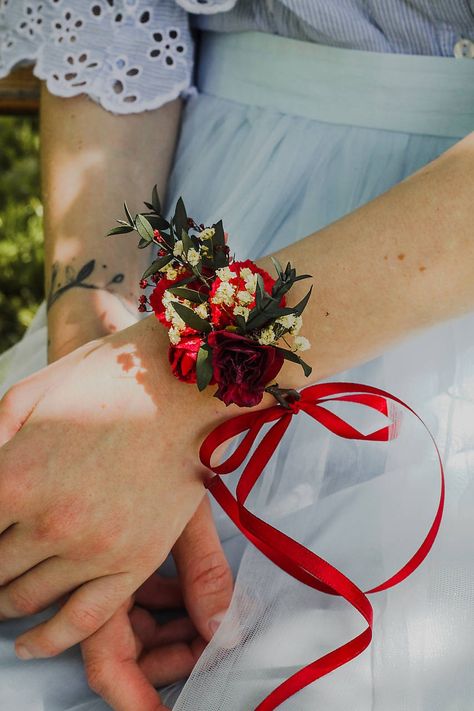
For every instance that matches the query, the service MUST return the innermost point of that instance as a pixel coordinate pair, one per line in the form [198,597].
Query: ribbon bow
[291,556]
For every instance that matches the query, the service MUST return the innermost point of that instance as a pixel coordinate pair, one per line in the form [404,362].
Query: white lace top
[132,55]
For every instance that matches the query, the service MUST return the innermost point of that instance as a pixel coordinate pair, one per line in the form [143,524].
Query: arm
[91,159]
[122,399]
[400,263]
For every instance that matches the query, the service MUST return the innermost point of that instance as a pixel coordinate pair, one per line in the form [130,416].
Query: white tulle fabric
[363,506]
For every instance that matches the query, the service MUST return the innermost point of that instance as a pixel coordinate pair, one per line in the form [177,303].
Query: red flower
[221,314]
[183,358]
[242,367]
[156,297]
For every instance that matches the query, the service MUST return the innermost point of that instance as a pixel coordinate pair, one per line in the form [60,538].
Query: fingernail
[22,652]
[215,621]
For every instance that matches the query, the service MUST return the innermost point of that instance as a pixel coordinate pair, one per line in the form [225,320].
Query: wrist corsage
[227,320]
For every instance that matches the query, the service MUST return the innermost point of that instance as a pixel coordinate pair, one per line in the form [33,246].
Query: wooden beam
[19,92]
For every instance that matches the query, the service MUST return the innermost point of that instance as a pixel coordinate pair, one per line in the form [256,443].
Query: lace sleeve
[128,55]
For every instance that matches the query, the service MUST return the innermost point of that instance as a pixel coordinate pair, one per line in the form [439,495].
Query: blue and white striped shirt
[431,27]
[131,55]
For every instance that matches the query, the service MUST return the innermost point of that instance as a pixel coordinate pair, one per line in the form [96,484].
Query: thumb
[20,400]
[204,572]
[17,405]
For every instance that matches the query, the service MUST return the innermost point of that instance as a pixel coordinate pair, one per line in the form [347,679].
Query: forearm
[90,159]
[401,263]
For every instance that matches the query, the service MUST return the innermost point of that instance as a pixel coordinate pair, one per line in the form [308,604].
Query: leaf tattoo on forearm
[76,280]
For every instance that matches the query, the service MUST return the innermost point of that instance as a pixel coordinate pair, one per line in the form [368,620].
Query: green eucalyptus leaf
[158,222]
[220,257]
[294,358]
[143,243]
[149,206]
[157,265]
[191,294]
[187,242]
[127,212]
[180,217]
[241,323]
[155,200]
[187,280]
[144,228]
[120,230]
[302,276]
[204,367]
[191,318]
[277,265]
[299,308]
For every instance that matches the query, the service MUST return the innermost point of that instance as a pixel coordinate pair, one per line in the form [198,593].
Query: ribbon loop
[291,556]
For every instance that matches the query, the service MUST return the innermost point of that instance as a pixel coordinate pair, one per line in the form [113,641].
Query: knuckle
[58,522]
[211,574]
[86,618]
[22,602]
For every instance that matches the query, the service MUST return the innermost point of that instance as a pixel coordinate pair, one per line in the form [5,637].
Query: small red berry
[142,299]
[157,235]
[156,277]
[143,284]
[142,307]
[190,222]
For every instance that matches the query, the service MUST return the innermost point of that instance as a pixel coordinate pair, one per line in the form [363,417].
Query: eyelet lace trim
[128,55]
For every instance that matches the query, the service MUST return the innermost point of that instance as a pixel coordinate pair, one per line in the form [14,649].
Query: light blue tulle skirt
[282,138]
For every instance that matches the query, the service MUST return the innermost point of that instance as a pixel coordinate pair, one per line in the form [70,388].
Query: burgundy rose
[183,358]
[242,367]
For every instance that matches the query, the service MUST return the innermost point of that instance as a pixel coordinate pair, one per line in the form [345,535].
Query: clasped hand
[99,476]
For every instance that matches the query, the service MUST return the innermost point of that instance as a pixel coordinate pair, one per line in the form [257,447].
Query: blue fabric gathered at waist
[395,92]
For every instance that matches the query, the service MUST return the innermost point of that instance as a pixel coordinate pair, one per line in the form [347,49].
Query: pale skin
[80,425]
[89,163]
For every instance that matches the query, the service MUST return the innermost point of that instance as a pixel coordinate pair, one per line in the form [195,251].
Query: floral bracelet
[226,319]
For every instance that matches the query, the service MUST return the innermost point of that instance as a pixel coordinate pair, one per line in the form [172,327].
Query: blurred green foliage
[21,229]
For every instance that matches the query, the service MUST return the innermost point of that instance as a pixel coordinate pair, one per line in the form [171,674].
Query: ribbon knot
[292,557]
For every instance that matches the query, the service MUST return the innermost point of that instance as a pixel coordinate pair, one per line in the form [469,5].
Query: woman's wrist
[81,316]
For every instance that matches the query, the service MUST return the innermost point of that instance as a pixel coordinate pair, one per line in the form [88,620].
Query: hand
[131,652]
[75,468]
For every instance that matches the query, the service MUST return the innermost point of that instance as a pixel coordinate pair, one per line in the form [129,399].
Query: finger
[88,608]
[204,572]
[172,662]
[16,556]
[158,593]
[153,634]
[112,670]
[39,588]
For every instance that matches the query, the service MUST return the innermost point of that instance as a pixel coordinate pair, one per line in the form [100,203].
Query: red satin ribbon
[288,554]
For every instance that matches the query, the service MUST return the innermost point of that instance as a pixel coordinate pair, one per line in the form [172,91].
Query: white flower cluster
[228,294]
[177,323]
[172,272]
[292,324]
[207,233]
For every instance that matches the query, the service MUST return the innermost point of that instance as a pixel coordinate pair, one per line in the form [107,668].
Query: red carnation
[221,314]
[242,367]
[156,297]
[183,358]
